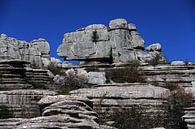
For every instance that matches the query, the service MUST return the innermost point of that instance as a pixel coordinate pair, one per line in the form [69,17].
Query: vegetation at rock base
[131,73]
[137,117]
[67,82]
[4,112]
[178,100]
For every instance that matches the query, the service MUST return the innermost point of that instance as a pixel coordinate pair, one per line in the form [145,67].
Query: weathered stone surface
[9,123]
[18,84]
[175,63]
[96,78]
[118,24]
[163,75]
[154,47]
[32,52]
[116,44]
[23,103]
[132,26]
[64,112]
[136,40]
[189,116]
[112,97]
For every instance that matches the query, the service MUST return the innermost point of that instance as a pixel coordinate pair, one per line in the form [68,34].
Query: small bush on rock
[64,83]
[170,118]
[178,100]
[137,118]
[130,74]
[55,69]
[69,83]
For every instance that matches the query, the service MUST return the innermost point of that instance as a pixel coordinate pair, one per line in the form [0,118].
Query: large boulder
[118,24]
[64,112]
[117,43]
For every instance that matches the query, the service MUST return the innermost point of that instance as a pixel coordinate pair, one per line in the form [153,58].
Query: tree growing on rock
[95,36]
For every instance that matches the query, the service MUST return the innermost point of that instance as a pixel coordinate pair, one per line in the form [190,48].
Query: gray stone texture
[34,52]
[64,112]
[22,87]
[114,96]
[117,43]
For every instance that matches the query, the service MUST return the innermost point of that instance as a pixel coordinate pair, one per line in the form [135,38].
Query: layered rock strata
[112,97]
[64,112]
[22,87]
[35,52]
[175,75]
[189,116]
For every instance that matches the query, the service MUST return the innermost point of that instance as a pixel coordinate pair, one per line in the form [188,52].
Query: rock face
[162,75]
[22,87]
[64,112]
[116,96]
[189,116]
[118,43]
[34,52]
[15,75]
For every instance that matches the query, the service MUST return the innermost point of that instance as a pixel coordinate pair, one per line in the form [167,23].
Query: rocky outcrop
[64,112]
[23,103]
[110,97]
[120,42]
[171,75]
[22,87]
[14,74]
[34,52]
[10,123]
[189,116]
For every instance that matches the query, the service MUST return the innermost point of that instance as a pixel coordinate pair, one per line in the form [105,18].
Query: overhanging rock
[118,43]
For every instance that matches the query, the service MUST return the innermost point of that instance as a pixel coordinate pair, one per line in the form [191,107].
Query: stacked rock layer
[35,52]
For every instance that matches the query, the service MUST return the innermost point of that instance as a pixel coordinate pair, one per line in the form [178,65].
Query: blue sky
[169,22]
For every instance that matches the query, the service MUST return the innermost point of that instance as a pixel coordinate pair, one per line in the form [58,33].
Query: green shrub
[178,100]
[95,36]
[137,118]
[70,83]
[55,69]
[4,112]
[130,74]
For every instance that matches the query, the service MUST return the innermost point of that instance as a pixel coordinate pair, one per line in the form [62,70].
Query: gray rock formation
[118,43]
[34,52]
[163,75]
[178,63]
[23,103]
[189,116]
[64,112]
[14,74]
[22,87]
[116,96]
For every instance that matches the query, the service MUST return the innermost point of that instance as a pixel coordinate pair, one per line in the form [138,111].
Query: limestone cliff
[120,42]
[34,52]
